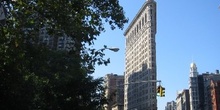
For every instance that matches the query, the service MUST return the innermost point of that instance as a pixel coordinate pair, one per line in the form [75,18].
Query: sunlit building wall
[193,88]
[140,60]
[171,105]
[182,100]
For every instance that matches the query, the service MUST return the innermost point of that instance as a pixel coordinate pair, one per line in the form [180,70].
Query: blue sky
[187,31]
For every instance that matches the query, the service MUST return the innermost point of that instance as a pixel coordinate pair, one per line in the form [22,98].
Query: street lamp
[96,56]
[114,49]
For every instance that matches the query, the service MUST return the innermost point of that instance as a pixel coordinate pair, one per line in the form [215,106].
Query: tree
[33,76]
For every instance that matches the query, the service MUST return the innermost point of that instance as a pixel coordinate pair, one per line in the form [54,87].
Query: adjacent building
[62,42]
[193,88]
[114,91]
[182,100]
[215,94]
[203,89]
[171,105]
[207,82]
[140,60]
[203,92]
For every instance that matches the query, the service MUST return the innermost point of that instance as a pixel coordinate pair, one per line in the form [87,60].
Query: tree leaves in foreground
[36,77]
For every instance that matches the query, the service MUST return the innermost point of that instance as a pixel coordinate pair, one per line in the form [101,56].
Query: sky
[187,31]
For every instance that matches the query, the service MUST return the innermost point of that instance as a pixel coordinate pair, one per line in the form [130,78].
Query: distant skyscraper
[201,89]
[193,87]
[207,81]
[182,100]
[114,91]
[140,60]
[171,105]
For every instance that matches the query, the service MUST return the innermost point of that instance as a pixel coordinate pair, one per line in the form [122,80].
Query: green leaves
[35,76]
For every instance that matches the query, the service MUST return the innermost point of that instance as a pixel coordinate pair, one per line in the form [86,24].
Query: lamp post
[114,49]
[96,56]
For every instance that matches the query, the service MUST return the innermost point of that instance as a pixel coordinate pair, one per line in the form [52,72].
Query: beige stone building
[140,60]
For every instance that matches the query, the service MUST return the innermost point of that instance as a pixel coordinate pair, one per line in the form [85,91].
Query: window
[140,24]
[145,17]
[142,21]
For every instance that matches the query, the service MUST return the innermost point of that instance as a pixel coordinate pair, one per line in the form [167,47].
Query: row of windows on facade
[137,65]
[134,68]
[141,86]
[146,50]
[139,36]
[137,88]
[146,42]
[144,77]
[141,74]
[142,22]
[143,51]
[138,50]
[193,80]
[142,107]
[142,99]
[194,94]
[194,89]
[146,37]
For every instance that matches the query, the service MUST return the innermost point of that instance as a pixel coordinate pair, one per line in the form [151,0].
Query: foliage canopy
[34,76]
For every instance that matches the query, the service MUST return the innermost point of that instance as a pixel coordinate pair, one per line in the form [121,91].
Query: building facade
[215,94]
[140,60]
[193,88]
[182,100]
[114,91]
[171,105]
[204,82]
[202,89]
[62,42]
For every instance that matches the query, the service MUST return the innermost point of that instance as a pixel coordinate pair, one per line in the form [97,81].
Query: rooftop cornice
[137,15]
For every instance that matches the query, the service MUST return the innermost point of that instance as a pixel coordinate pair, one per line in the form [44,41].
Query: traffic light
[162,91]
[158,90]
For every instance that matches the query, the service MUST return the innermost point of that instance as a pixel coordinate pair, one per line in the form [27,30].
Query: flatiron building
[140,60]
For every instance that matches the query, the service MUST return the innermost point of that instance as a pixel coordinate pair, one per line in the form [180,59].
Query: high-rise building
[171,105]
[182,100]
[215,94]
[207,81]
[62,42]
[201,89]
[114,91]
[140,60]
[193,88]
